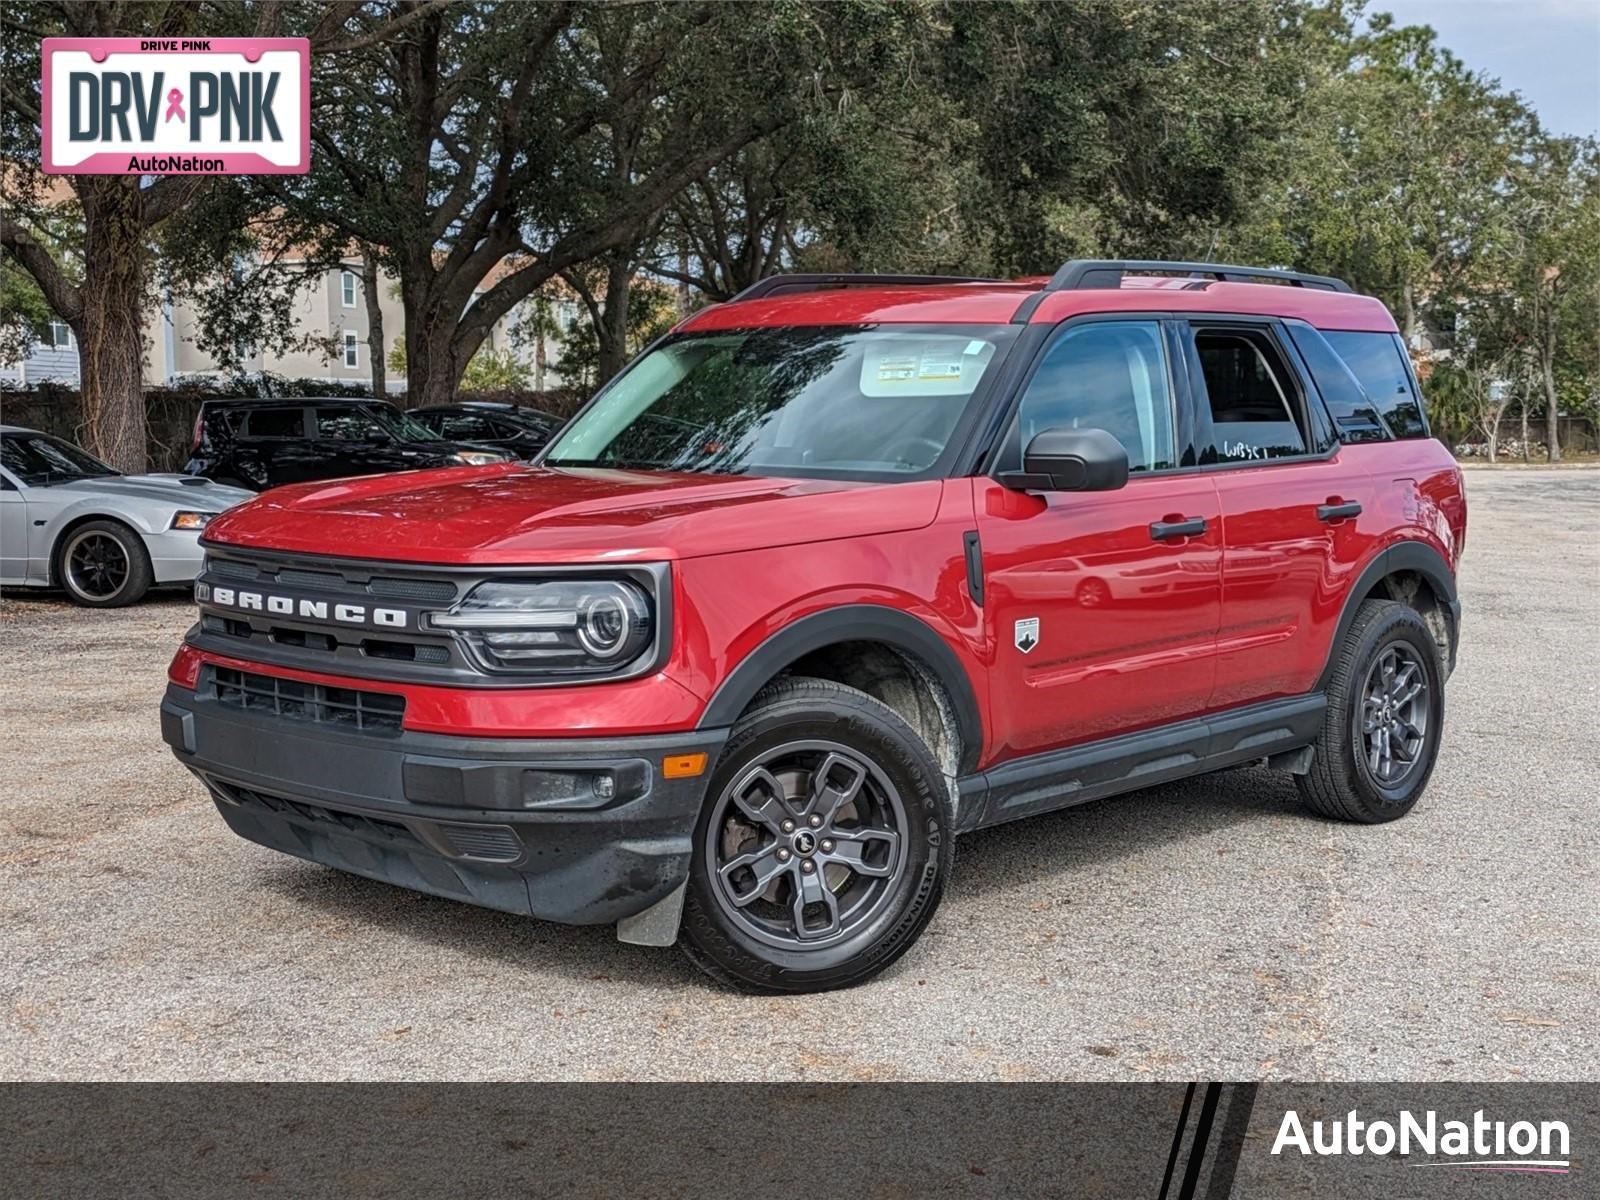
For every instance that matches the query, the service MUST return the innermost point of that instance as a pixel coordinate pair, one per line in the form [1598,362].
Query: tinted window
[275,423]
[1251,398]
[466,427]
[1109,375]
[349,425]
[38,459]
[1378,361]
[831,401]
[1354,413]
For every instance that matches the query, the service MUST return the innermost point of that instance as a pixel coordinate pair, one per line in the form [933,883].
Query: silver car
[68,520]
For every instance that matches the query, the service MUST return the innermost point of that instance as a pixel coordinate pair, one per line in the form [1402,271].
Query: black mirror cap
[1071,460]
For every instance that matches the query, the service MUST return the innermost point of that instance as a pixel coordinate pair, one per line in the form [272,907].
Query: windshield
[402,426]
[39,459]
[877,402]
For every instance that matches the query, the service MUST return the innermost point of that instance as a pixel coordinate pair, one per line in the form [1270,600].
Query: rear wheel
[103,564]
[824,844]
[1385,715]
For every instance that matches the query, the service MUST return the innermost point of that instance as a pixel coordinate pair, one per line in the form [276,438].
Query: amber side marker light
[682,766]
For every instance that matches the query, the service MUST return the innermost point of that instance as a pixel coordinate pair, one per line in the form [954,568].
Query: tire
[103,564]
[1385,653]
[879,779]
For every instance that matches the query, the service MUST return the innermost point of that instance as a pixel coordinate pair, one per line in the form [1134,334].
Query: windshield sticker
[896,370]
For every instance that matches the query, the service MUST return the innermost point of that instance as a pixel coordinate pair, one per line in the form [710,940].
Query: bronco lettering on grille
[311,610]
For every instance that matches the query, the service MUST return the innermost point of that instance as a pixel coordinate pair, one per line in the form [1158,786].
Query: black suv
[519,431]
[262,443]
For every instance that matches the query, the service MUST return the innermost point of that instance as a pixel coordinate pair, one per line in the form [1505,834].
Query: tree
[1393,172]
[374,303]
[552,135]
[1554,273]
[585,360]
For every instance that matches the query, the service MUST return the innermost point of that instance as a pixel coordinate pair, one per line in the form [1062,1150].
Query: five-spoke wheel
[103,564]
[823,846]
[807,842]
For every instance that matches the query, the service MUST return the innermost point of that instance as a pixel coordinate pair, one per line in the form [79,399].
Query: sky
[1549,50]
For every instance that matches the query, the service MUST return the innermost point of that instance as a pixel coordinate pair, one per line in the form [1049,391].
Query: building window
[347,285]
[352,350]
[60,335]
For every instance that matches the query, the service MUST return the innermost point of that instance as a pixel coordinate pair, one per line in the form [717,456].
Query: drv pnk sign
[177,106]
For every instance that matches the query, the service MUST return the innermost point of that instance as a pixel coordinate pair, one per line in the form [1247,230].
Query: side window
[1378,361]
[275,423]
[348,425]
[1109,375]
[1354,413]
[1250,397]
[466,426]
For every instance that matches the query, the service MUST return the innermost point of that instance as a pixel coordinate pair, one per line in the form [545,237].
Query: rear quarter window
[1378,361]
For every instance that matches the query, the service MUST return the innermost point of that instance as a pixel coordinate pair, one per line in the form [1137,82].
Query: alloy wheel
[806,844]
[97,565]
[1394,715]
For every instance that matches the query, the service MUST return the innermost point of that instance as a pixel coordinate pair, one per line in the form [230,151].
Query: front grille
[369,712]
[316,814]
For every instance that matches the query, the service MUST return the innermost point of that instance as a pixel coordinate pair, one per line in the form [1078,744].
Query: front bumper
[512,824]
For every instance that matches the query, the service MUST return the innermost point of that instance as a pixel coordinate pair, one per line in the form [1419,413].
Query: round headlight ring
[603,625]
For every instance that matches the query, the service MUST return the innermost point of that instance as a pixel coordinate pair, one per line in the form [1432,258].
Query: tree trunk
[612,331]
[109,330]
[1523,405]
[1409,308]
[375,348]
[1552,413]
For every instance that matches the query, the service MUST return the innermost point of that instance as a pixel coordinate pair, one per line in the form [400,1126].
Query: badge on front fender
[1027,634]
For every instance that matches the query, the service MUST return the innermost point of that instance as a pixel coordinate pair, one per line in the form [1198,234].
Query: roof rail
[1083,273]
[779,285]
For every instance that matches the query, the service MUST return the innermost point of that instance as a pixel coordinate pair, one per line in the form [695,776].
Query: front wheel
[824,844]
[103,564]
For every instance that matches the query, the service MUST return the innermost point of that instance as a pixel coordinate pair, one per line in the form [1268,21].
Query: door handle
[1338,510]
[1190,527]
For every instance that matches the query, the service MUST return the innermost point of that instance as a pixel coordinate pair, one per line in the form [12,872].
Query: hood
[181,491]
[519,514]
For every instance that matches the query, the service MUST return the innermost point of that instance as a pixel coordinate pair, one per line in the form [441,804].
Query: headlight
[555,626]
[478,458]
[191,520]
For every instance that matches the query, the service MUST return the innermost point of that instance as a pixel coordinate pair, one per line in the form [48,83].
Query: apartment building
[330,315]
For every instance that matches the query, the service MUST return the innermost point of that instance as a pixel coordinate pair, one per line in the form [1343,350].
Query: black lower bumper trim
[580,830]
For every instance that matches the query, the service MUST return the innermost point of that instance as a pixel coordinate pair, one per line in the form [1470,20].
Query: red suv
[830,574]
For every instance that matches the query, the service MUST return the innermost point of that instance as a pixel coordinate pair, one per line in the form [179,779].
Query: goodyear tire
[824,844]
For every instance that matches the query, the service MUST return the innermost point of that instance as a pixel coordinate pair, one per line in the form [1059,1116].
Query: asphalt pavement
[1208,929]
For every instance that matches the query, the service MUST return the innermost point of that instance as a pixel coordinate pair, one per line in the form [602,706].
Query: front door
[13,533]
[1102,607]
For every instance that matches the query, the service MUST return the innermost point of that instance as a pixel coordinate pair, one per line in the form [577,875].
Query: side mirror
[1070,460]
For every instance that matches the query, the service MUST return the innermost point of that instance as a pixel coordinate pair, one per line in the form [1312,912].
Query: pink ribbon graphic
[175,105]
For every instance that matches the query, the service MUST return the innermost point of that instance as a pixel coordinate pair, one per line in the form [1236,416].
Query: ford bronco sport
[830,574]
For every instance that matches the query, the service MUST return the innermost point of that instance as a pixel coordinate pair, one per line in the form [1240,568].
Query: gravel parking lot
[1203,930]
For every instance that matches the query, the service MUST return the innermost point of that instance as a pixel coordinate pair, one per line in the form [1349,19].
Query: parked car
[263,443]
[836,571]
[516,429]
[68,520]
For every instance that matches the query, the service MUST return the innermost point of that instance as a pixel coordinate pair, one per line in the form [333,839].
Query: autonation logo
[1480,1145]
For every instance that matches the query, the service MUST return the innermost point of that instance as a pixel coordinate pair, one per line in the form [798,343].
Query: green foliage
[496,371]
[652,310]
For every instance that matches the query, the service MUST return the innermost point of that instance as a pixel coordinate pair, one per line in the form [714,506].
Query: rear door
[1298,518]
[1102,607]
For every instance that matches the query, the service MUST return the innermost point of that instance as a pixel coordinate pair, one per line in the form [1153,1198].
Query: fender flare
[1401,556]
[853,623]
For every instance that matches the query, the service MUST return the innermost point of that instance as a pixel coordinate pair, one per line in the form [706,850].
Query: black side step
[1057,779]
